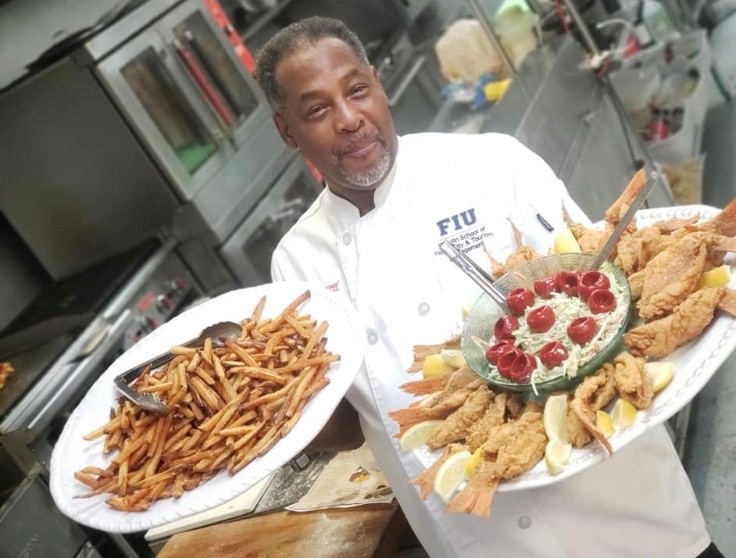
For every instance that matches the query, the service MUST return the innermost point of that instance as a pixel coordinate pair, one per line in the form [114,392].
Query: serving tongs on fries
[475,272]
[150,402]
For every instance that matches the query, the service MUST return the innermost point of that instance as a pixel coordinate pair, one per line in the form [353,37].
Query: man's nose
[348,118]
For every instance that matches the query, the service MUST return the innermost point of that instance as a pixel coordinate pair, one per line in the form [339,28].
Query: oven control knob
[164,303]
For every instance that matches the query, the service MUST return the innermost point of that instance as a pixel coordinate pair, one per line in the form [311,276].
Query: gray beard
[372,176]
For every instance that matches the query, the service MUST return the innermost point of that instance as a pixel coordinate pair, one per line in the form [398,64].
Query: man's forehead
[308,69]
[317,51]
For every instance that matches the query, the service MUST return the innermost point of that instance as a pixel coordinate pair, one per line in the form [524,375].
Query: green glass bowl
[485,313]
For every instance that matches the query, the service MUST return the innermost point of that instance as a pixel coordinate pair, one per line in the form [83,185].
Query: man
[372,236]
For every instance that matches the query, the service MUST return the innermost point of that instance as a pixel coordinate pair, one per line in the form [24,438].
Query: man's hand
[342,432]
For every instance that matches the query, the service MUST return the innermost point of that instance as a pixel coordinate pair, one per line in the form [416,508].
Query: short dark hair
[288,40]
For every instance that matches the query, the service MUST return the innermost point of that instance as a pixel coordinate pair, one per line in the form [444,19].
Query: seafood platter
[581,361]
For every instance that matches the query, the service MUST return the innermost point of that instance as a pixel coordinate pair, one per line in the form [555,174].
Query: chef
[372,236]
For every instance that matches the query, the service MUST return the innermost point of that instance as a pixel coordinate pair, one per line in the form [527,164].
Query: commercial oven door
[248,250]
[224,83]
[166,110]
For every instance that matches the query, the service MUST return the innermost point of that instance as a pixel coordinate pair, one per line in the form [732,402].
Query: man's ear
[283,129]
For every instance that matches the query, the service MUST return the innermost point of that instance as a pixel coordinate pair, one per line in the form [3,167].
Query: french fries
[6,369]
[227,405]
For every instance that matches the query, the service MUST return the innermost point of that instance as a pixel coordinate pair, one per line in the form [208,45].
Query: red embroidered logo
[334,286]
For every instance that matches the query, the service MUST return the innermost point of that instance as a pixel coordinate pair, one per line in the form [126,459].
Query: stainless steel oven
[188,96]
[194,104]
[151,123]
[248,250]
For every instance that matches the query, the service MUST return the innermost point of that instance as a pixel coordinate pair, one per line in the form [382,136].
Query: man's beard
[368,178]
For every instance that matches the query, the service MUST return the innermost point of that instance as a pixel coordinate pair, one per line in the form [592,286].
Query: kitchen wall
[28,27]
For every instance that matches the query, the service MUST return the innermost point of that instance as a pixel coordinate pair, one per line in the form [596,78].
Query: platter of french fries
[238,409]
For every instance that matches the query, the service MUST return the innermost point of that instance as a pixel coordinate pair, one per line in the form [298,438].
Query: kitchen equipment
[247,251]
[485,313]
[153,115]
[217,332]
[625,220]
[476,273]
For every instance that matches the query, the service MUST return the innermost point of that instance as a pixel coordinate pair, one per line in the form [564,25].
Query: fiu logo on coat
[463,229]
[455,223]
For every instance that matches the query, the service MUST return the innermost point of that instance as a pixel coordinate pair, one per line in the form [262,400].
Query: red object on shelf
[220,17]
[632,46]
[658,129]
[200,77]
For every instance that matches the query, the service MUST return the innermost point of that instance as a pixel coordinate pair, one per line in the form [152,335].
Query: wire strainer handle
[475,272]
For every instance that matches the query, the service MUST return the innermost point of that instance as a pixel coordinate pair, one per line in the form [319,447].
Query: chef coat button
[524,522]
[372,337]
[423,309]
[346,238]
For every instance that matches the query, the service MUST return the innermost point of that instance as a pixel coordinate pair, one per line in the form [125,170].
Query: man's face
[336,113]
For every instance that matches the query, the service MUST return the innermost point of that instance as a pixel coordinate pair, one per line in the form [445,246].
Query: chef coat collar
[342,207]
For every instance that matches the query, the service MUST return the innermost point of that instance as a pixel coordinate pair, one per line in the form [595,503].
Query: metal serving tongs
[150,402]
[625,220]
[475,272]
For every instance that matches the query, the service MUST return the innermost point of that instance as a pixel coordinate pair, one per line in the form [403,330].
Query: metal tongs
[620,227]
[150,402]
[475,272]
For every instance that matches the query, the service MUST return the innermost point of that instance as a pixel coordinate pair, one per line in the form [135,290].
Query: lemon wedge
[716,277]
[453,357]
[556,456]
[435,365]
[604,422]
[659,373]
[417,435]
[565,242]
[555,417]
[624,414]
[451,474]
[472,463]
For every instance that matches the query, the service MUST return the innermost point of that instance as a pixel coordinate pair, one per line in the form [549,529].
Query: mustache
[357,142]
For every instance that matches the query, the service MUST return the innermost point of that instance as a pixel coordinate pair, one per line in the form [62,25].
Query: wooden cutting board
[361,532]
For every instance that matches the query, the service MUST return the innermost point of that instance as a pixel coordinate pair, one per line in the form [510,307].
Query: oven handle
[202,83]
[404,84]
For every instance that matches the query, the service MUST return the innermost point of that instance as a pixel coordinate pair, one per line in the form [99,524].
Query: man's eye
[359,90]
[316,111]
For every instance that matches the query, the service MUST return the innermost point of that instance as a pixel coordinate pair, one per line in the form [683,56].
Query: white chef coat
[638,503]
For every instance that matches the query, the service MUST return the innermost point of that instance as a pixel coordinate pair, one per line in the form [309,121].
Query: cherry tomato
[494,352]
[506,362]
[601,301]
[545,287]
[505,327]
[541,318]
[519,300]
[590,281]
[553,354]
[567,282]
[582,330]
[522,367]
